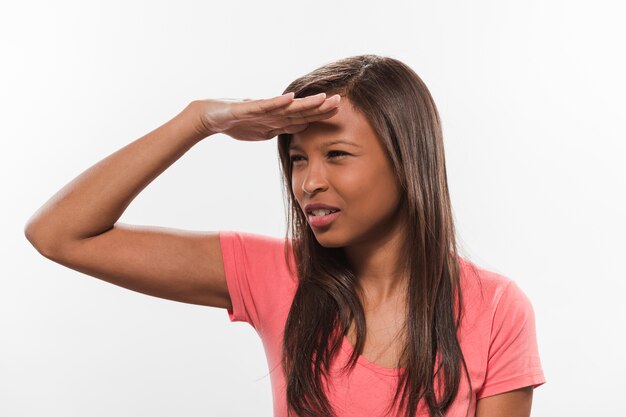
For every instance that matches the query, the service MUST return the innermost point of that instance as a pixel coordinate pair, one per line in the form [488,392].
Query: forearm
[92,202]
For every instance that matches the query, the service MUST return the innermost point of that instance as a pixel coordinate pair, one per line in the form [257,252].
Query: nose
[314,180]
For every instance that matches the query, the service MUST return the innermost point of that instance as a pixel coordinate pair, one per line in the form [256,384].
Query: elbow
[29,232]
[36,237]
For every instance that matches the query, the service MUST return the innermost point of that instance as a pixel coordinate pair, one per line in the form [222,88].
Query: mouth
[322,218]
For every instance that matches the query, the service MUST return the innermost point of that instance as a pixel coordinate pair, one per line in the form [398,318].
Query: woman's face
[341,162]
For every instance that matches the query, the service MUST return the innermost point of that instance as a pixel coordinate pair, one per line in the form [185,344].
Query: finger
[312,117]
[329,104]
[269,104]
[281,124]
[295,128]
[301,104]
[289,129]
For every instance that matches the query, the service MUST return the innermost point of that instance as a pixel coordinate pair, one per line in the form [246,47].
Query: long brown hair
[403,114]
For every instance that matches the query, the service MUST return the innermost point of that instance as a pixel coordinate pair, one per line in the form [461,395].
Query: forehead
[347,126]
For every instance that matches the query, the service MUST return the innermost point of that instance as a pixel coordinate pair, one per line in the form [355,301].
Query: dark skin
[516,403]
[78,227]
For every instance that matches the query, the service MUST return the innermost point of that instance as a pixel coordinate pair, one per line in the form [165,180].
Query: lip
[308,209]
[322,221]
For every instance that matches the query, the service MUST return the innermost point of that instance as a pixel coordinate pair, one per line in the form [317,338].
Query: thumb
[294,128]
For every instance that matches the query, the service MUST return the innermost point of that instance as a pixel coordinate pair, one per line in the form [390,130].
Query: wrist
[195,112]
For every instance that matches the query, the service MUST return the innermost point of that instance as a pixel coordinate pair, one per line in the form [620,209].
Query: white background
[531,96]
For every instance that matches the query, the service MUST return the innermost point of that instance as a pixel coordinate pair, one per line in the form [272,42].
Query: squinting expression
[342,163]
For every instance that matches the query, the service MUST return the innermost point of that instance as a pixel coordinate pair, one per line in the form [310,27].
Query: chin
[329,242]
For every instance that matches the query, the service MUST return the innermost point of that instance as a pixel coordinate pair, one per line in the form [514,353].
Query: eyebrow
[326,144]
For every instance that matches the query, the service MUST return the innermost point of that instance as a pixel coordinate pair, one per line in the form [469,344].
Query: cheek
[376,189]
[296,189]
[362,183]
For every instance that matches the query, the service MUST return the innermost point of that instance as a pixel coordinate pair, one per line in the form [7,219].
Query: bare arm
[77,226]
[92,202]
[515,403]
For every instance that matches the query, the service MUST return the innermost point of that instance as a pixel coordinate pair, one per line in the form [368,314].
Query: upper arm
[516,403]
[180,265]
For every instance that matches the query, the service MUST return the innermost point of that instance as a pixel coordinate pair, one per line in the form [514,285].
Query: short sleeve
[513,358]
[255,270]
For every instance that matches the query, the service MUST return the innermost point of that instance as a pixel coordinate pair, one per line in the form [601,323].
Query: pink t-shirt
[497,332]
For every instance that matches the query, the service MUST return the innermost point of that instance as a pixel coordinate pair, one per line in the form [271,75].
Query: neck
[379,266]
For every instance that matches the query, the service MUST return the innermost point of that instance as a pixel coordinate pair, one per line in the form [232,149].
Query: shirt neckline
[347,348]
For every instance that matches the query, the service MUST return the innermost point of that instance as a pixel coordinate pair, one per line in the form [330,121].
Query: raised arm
[77,227]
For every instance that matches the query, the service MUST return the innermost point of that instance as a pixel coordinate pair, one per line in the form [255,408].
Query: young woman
[365,308]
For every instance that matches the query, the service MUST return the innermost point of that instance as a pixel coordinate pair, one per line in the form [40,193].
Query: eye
[294,158]
[331,154]
[338,153]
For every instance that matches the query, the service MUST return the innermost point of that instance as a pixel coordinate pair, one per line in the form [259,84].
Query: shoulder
[251,239]
[490,296]
[260,276]
[262,253]
[483,283]
[254,244]
[498,332]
